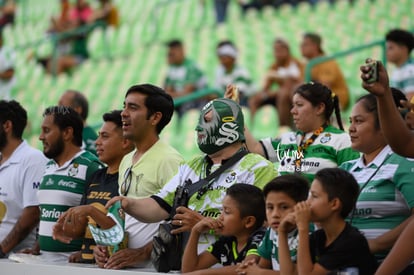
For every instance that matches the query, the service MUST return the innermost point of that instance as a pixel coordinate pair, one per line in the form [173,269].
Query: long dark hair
[317,93]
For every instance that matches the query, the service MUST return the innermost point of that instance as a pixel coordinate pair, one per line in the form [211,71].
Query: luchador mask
[220,124]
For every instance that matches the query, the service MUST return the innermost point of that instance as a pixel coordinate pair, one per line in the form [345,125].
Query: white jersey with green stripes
[329,150]
[403,77]
[61,188]
[251,169]
[387,199]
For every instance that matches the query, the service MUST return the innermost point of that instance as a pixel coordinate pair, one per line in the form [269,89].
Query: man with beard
[220,135]
[111,147]
[21,169]
[65,177]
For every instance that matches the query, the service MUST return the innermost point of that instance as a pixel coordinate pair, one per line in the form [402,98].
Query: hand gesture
[75,257]
[206,224]
[185,218]
[35,250]
[78,218]
[380,87]
[287,224]
[127,257]
[232,93]
[247,267]
[302,215]
[124,202]
[101,255]
[58,233]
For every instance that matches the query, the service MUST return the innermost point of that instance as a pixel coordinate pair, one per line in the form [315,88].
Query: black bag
[168,248]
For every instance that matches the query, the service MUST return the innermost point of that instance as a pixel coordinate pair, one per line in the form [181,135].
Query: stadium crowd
[314,200]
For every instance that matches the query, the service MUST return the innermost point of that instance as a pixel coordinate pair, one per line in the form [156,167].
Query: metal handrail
[322,59]
[197,94]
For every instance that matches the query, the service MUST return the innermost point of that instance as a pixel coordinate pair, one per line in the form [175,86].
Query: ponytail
[337,109]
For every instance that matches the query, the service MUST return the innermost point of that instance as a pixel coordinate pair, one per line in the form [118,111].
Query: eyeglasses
[126,183]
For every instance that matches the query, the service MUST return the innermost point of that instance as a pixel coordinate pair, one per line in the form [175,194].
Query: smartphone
[373,71]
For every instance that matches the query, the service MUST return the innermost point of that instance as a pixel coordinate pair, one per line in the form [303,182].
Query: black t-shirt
[350,249]
[225,248]
[101,188]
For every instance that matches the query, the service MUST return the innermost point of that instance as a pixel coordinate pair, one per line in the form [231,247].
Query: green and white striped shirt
[329,150]
[387,199]
[61,188]
[403,77]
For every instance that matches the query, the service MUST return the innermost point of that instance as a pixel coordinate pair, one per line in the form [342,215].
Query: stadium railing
[198,94]
[353,50]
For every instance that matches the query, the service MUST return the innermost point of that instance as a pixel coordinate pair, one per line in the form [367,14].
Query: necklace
[304,144]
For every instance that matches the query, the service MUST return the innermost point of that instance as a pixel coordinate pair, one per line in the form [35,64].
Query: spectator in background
[400,44]
[230,72]
[7,12]
[61,22]
[183,77]
[286,73]
[78,102]
[111,148]
[220,7]
[21,169]
[64,181]
[328,72]
[72,47]
[106,13]
[7,78]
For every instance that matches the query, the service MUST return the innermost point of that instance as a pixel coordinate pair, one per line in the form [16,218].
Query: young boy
[337,246]
[281,195]
[240,225]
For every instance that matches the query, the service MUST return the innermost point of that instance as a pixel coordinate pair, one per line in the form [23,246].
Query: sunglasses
[126,183]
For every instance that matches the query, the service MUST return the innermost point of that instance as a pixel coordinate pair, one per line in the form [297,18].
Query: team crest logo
[326,138]
[229,133]
[73,171]
[231,178]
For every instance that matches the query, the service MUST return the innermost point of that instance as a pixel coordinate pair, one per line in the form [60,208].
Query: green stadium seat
[265,123]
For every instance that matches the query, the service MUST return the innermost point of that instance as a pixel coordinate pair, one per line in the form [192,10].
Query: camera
[373,71]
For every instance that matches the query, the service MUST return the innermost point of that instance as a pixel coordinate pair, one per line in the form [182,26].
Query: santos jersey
[387,199]
[329,150]
[61,188]
[251,169]
[269,248]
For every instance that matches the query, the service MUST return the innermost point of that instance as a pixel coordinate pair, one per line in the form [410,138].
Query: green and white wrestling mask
[221,123]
